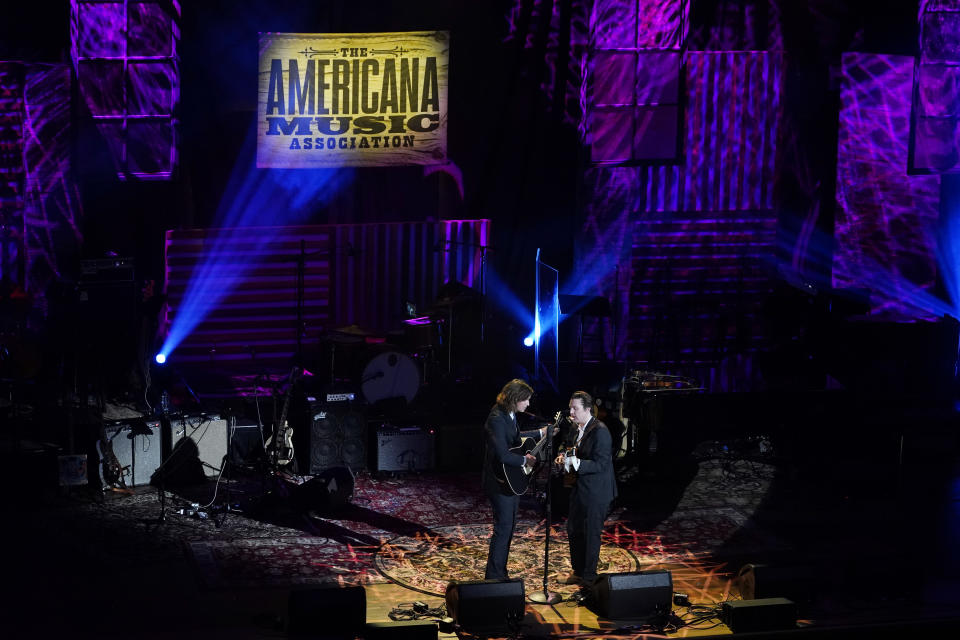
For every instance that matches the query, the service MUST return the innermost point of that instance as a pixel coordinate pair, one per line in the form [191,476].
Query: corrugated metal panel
[360,274]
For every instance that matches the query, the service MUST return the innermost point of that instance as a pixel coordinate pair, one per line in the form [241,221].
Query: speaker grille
[633,595]
[486,604]
[337,438]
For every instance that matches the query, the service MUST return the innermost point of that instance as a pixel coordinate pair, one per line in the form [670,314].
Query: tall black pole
[301,269]
[546,597]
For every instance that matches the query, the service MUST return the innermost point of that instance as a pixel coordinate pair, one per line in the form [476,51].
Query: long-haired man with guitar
[589,467]
[502,434]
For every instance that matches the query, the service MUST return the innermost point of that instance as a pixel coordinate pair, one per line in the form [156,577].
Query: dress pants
[584,528]
[504,520]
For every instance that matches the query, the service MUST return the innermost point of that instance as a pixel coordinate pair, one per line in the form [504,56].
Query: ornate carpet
[420,531]
[425,561]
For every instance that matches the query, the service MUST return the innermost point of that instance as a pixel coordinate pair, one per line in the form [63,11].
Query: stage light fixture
[528,341]
[160,358]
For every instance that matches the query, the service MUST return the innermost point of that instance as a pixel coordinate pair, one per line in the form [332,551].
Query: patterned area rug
[427,563]
[282,562]
[429,558]
[420,531]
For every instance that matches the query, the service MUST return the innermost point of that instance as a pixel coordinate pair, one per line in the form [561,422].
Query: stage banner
[352,99]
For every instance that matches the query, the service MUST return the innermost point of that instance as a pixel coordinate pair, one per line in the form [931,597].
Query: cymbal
[352,330]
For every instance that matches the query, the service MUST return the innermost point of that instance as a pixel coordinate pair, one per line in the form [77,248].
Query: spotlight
[160,358]
[528,341]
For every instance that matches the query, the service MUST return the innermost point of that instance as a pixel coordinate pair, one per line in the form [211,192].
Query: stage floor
[104,564]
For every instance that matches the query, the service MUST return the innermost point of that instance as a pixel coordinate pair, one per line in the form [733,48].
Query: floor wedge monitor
[637,594]
[485,605]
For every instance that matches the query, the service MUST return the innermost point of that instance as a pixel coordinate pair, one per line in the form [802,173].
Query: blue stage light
[264,198]
[161,358]
[528,341]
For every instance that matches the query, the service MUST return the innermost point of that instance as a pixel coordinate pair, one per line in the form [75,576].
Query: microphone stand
[546,597]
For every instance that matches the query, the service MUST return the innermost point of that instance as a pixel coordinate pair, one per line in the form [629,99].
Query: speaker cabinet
[196,440]
[485,604]
[137,446]
[338,437]
[402,630]
[759,581]
[327,612]
[405,449]
[765,614]
[246,442]
[457,447]
[633,595]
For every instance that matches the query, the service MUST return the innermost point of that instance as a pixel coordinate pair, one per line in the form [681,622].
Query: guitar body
[518,478]
[280,445]
[111,473]
[284,445]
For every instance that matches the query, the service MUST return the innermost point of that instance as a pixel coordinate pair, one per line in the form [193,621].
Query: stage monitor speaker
[486,605]
[338,437]
[206,436]
[137,446]
[638,594]
[405,449]
[765,614]
[758,581]
[327,612]
[402,630]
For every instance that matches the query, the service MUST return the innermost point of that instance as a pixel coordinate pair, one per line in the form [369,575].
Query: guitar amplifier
[137,446]
[405,449]
[202,437]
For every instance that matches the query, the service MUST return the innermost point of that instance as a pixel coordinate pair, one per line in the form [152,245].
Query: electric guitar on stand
[280,444]
[518,478]
[111,473]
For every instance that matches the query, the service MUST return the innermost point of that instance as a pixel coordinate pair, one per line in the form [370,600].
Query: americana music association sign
[352,99]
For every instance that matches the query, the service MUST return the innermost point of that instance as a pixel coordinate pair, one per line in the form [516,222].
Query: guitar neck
[546,435]
[282,423]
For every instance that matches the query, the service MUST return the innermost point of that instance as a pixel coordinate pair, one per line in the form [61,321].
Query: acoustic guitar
[517,479]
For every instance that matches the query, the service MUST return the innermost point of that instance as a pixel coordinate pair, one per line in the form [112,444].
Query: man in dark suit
[502,434]
[594,487]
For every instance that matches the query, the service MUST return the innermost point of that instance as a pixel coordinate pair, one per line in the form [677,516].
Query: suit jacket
[501,435]
[595,477]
